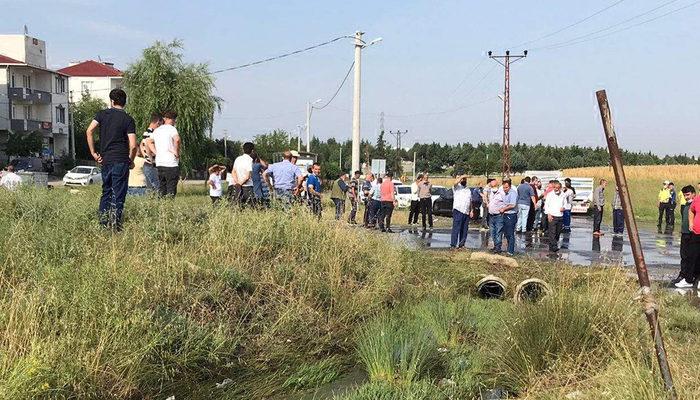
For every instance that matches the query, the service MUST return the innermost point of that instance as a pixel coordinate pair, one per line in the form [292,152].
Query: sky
[430,75]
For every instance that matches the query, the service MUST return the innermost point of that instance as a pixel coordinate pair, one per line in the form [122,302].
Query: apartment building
[94,77]
[33,98]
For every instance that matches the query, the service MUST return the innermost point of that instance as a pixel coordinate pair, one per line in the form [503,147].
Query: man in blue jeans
[526,197]
[503,217]
[461,212]
[116,156]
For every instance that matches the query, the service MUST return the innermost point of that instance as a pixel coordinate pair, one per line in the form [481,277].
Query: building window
[85,86]
[60,84]
[27,112]
[14,112]
[13,81]
[27,81]
[60,115]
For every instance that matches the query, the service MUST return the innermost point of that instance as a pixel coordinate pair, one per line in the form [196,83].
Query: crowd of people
[532,208]
[529,208]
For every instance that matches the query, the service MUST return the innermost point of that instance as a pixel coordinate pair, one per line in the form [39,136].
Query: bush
[568,335]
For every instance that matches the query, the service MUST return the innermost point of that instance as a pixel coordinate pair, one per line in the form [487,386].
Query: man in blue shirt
[502,208]
[313,188]
[526,196]
[286,177]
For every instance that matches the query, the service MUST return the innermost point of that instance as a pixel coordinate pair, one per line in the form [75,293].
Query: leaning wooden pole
[647,298]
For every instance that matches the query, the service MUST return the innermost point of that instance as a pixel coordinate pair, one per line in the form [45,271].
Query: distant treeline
[476,159]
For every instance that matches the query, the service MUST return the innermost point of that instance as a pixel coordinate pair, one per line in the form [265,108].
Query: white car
[83,175]
[403,195]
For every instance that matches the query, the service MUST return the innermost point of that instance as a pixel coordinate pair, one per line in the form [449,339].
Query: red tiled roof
[90,68]
[8,60]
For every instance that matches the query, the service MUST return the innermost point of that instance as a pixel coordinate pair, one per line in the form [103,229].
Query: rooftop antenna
[26,30]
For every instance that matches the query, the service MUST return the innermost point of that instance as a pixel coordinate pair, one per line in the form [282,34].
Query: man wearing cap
[339,190]
[285,175]
[664,203]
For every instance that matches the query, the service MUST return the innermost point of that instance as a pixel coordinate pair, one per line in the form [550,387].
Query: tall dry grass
[645,182]
[274,302]
[679,174]
[187,295]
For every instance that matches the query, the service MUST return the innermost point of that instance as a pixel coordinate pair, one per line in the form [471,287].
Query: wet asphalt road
[661,250]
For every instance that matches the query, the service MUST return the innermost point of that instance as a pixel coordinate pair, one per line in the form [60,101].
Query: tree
[380,148]
[23,145]
[270,143]
[83,113]
[518,163]
[161,81]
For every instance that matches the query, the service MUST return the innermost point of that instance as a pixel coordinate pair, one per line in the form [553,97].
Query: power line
[450,110]
[265,116]
[279,56]
[444,111]
[554,45]
[570,25]
[625,28]
[468,75]
[339,87]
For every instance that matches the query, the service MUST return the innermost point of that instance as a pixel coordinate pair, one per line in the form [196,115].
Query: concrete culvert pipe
[491,287]
[531,290]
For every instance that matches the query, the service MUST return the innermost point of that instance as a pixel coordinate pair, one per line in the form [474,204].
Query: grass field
[202,302]
[645,182]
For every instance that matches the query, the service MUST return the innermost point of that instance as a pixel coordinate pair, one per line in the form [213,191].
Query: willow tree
[161,81]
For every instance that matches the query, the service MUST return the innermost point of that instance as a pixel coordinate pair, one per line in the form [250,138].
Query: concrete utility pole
[309,110]
[359,44]
[308,126]
[414,165]
[72,122]
[505,61]
[298,138]
[398,135]
[225,143]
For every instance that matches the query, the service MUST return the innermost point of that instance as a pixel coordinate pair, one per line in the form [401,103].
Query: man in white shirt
[10,180]
[415,202]
[242,175]
[461,212]
[166,146]
[554,205]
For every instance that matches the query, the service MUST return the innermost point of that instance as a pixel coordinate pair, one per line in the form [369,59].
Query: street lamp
[309,110]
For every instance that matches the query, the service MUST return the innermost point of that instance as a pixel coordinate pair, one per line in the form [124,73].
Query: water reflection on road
[579,247]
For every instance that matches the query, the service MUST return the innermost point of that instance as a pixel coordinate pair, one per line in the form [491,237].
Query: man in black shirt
[116,156]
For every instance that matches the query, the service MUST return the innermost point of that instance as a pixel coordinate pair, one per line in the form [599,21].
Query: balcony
[30,125]
[26,95]
[19,94]
[40,97]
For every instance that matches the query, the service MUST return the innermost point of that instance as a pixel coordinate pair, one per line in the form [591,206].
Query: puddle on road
[579,247]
